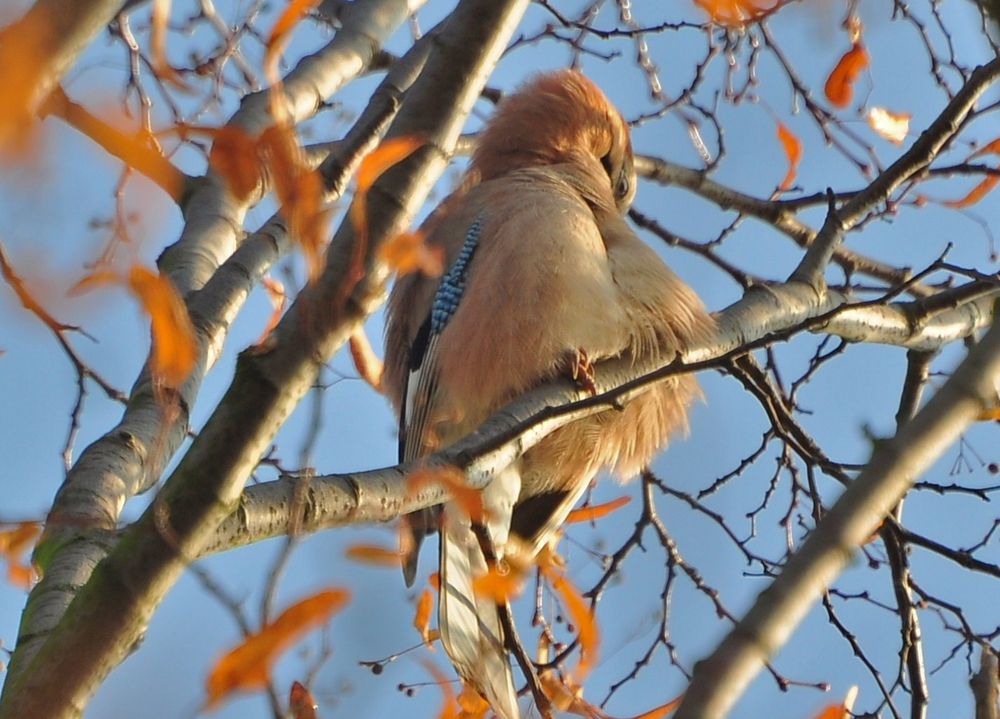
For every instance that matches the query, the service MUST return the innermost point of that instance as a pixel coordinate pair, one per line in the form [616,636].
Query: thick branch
[909,324]
[986,685]
[110,613]
[129,458]
[764,316]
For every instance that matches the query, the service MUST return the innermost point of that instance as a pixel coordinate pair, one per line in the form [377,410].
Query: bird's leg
[511,638]
[581,370]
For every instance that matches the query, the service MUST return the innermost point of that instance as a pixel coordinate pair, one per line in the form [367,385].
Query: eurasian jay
[544,276]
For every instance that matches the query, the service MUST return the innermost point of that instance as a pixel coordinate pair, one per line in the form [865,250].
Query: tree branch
[764,316]
[109,614]
[986,685]
[127,148]
[720,679]
[129,458]
[777,213]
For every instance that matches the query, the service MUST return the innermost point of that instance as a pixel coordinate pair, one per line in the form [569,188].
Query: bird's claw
[581,370]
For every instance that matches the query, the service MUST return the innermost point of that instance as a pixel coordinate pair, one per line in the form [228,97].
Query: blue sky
[51,208]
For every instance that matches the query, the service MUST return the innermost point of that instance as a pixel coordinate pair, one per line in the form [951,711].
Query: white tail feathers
[470,625]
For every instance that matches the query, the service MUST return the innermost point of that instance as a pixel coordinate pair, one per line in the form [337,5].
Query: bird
[544,277]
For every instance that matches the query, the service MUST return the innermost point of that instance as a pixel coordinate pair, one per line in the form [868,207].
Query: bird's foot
[581,370]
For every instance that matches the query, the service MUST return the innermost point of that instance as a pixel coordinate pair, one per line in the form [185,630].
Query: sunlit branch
[128,148]
[130,457]
[764,316]
[102,624]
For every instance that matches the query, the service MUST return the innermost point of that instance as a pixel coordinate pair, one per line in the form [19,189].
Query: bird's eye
[622,186]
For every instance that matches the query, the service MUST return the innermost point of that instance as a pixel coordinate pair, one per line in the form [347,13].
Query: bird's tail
[470,627]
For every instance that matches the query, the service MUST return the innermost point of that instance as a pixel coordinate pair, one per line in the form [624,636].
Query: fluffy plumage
[542,266]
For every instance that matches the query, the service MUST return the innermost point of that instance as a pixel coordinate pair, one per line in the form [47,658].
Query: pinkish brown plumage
[544,266]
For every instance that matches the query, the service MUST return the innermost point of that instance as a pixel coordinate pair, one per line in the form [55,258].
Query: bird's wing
[422,413]
[470,626]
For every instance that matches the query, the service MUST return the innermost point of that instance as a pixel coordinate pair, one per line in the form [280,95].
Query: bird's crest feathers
[551,120]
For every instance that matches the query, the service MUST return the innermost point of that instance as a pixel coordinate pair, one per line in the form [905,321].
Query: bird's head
[555,118]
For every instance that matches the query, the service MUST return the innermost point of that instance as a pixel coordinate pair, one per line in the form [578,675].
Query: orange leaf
[248,665]
[736,13]
[839,85]
[301,702]
[407,252]
[793,151]
[367,363]
[20,575]
[95,279]
[498,585]
[174,349]
[662,710]
[276,293]
[374,554]
[548,558]
[174,345]
[596,511]
[472,704]
[422,617]
[236,160]
[13,543]
[991,414]
[452,480]
[434,579]
[449,709]
[989,148]
[278,39]
[581,616]
[841,710]
[387,154]
[561,696]
[893,126]
[301,192]
[18,51]
[567,696]
[976,193]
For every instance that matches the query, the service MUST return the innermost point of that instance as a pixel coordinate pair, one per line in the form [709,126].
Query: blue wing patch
[452,287]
